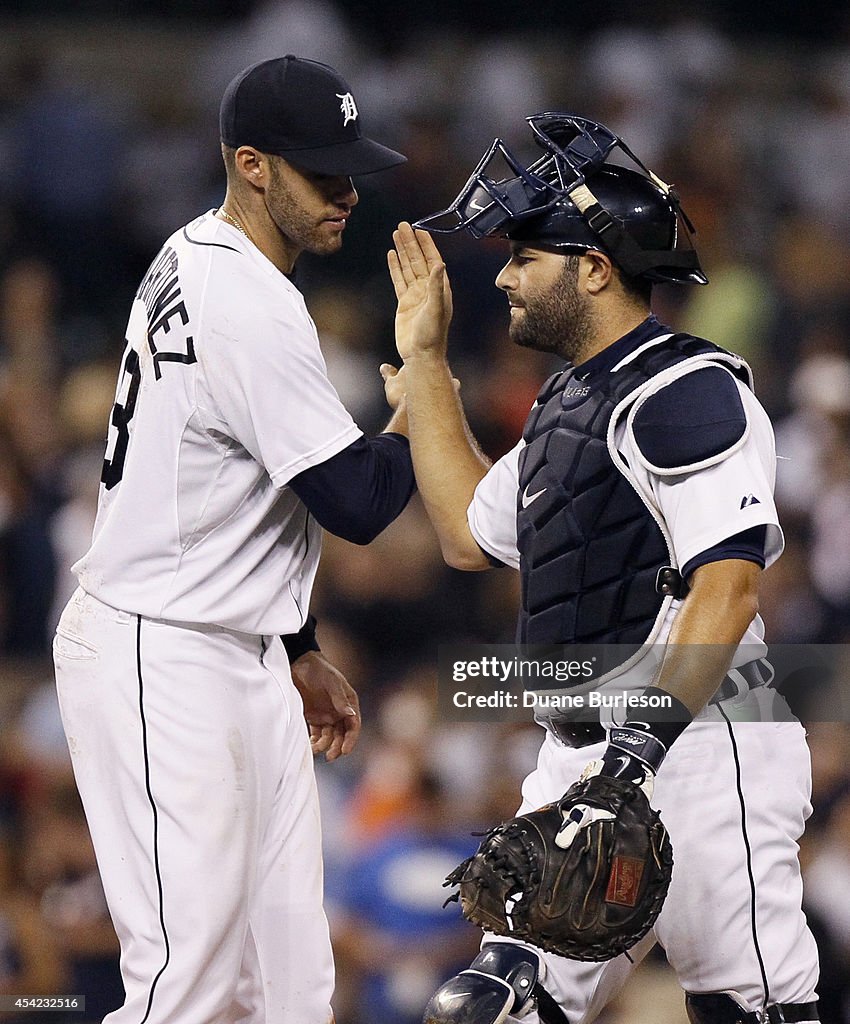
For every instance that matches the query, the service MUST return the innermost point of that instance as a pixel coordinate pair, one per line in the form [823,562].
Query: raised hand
[423,292]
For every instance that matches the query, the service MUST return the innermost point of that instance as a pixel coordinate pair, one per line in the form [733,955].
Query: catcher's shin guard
[722,1008]
[500,981]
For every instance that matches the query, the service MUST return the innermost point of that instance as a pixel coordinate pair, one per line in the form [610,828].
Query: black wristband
[645,740]
[301,642]
[628,743]
[666,722]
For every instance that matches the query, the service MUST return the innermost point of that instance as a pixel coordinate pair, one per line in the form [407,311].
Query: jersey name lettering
[160,293]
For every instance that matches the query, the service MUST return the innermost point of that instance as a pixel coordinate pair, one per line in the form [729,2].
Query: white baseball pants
[192,758]
[734,798]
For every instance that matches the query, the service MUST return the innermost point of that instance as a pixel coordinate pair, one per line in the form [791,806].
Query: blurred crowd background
[108,142]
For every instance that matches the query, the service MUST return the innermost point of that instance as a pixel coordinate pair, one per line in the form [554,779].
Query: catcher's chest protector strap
[590,546]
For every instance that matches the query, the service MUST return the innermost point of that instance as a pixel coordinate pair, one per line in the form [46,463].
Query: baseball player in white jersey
[638,509]
[228,450]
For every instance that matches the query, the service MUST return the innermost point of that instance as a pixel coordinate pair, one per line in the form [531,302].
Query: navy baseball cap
[304,111]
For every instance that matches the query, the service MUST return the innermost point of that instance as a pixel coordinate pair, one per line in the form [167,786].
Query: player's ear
[595,271]
[251,165]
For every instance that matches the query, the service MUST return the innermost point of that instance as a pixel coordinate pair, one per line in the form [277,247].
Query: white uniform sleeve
[492,511]
[704,508]
[269,390]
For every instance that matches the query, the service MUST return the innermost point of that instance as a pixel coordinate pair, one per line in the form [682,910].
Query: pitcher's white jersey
[223,397]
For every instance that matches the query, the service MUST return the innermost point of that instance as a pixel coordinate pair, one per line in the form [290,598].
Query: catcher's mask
[571,200]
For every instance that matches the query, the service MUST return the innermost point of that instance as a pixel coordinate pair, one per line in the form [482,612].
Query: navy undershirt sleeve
[359,491]
[748,545]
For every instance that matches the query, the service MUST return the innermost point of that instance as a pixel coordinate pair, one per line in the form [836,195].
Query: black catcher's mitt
[593,899]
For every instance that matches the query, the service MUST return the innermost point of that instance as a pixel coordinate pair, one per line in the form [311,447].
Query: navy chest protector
[591,542]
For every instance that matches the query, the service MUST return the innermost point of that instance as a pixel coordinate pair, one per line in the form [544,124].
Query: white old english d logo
[348,107]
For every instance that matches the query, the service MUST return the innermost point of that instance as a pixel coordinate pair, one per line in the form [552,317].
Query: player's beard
[294,221]
[556,321]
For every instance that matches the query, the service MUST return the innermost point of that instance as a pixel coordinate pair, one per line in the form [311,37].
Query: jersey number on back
[131,377]
[163,302]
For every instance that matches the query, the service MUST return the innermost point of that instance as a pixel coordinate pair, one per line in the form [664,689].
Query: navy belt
[576,734]
[723,1008]
[738,682]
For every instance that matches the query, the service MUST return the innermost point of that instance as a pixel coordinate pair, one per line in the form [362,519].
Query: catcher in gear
[638,509]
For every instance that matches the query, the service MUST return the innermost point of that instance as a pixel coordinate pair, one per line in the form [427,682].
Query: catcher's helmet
[570,199]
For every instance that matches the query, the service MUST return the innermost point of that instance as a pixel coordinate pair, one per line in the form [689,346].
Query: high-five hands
[395,384]
[423,292]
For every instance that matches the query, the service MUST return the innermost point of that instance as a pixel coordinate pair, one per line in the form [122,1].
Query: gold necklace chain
[237,224]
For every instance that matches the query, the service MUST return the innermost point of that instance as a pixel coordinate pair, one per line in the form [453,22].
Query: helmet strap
[623,249]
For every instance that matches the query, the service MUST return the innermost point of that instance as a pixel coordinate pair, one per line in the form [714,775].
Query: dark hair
[228,154]
[639,288]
